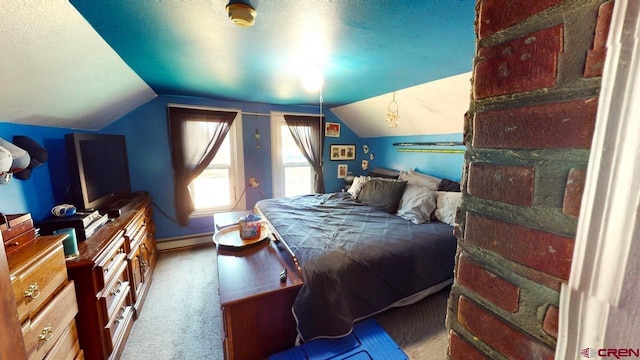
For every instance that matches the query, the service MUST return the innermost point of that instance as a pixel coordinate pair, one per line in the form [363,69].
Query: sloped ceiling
[436,107]
[57,71]
[85,64]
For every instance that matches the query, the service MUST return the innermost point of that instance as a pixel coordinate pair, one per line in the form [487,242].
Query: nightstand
[256,305]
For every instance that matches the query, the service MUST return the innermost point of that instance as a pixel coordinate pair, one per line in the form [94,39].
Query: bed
[358,257]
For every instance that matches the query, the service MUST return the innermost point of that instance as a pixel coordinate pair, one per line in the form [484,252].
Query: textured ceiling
[436,107]
[57,71]
[83,73]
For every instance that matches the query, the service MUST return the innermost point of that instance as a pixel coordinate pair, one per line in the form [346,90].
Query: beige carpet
[419,329]
[181,316]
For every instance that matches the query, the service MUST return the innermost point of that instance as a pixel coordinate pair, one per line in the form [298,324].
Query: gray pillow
[382,195]
[417,204]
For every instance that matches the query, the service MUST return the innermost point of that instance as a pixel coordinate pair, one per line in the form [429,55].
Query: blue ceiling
[362,48]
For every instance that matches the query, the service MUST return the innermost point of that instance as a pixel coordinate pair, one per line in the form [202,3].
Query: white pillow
[356,185]
[417,204]
[447,204]
[416,178]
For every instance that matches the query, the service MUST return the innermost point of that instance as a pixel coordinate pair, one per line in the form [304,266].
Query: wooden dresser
[256,305]
[45,299]
[113,274]
[11,341]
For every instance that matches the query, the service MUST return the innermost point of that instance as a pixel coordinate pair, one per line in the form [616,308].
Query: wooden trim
[598,307]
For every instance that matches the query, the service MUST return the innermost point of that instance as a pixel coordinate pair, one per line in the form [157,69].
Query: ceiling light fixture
[392,113]
[241,14]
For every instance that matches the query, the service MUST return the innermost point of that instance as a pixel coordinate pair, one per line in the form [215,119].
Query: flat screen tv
[98,169]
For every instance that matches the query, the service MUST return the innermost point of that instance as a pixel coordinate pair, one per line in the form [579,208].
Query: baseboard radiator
[180,242]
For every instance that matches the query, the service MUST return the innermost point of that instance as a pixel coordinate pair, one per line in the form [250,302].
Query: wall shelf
[444,151]
[402,147]
[434,143]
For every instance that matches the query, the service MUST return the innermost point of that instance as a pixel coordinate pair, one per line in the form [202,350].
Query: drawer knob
[120,317]
[33,291]
[47,333]
[117,291]
[108,268]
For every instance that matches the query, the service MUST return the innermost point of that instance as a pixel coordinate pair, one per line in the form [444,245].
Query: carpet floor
[181,316]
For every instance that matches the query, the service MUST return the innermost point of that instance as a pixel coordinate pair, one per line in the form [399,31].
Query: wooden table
[256,305]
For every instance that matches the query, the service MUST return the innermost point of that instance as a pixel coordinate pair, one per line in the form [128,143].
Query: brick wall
[528,132]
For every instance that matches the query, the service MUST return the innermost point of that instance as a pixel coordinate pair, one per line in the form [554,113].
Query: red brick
[537,249]
[568,124]
[508,184]
[456,229]
[498,334]
[460,349]
[550,322]
[488,285]
[541,278]
[496,15]
[524,64]
[598,52]
[573,192]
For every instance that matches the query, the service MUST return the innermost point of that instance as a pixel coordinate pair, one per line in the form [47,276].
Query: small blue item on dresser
[63,210]
[70,243]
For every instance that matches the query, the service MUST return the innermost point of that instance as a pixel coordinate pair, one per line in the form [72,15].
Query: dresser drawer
[49,325]
[120,320]
[36,285]
[67,347]
[110,261]
[148,246]
[114,291]
[133,230]
[136,266]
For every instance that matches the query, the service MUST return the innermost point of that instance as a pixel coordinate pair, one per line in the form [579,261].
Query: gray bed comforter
[356,260]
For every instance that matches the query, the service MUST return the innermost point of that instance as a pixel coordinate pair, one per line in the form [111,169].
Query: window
[220,186]
[292,173]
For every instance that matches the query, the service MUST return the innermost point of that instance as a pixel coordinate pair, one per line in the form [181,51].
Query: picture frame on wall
[343,169]
[332,129]
[342,152]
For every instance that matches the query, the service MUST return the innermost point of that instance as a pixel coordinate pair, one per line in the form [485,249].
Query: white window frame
[277,120]
[236,170]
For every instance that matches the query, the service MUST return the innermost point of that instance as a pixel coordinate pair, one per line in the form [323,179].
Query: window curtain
[307,132]
[193,146]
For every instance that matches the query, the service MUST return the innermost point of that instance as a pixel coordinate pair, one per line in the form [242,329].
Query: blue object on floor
[367,341]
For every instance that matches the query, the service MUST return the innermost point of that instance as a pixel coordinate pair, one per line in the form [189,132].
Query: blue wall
[48,183]
[150,158]
[442,165]
[145,129]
